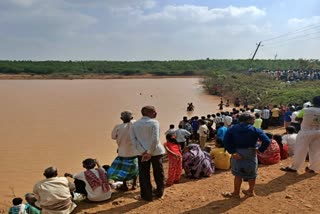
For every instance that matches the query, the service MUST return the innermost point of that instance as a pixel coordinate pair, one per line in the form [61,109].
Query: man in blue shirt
[241,142]
[221,131]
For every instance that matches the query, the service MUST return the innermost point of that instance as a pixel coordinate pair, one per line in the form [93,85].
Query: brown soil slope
[276,192]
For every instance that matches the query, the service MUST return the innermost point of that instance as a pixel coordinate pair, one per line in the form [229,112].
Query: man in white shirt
[171,130]
[307,140]
[95,181]
[265,116]
[181,136]
[145,134]
[203,134]
[53,193]
[227,120]
[125,166]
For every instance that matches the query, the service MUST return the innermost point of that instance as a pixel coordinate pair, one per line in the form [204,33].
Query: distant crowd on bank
[240,144]
[294,75]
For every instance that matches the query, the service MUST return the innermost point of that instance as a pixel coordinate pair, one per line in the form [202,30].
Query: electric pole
[255,52]
[275,58]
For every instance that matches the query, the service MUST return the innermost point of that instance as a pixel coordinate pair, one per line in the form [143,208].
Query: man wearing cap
[145,134]
[125,166]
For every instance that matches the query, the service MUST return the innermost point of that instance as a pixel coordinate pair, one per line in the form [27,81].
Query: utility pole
[275,57]
[255,52]
[250,69]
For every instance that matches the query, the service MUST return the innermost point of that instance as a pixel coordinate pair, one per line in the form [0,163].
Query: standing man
[241,142]
[203,134]
[181,136]
[53,193]
[308,139]
[265,116]
[125,166]
[275,115]
[145,135]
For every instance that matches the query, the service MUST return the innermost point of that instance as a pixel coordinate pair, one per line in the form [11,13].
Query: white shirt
[145,135]
[311,119]
[293,117]
[97,194]
[228,120]
[181,135]
[170,131]
[121,133]
[290,140]
[203,131]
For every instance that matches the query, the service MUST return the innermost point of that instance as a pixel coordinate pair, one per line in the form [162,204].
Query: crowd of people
[294,75]
[240,144]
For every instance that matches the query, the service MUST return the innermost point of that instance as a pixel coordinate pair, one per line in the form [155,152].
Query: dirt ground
[276,192]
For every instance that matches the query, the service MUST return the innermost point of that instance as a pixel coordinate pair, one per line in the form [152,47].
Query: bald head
[149,111]
[50,172]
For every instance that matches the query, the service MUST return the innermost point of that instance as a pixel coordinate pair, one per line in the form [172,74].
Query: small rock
[288,197]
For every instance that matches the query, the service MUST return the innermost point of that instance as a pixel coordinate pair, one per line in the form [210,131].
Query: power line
[293,38]
[290,41]
[303,29]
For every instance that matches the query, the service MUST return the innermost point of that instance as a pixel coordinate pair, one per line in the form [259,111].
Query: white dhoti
[307,141]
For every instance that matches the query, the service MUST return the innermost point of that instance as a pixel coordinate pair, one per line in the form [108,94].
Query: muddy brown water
[62,122]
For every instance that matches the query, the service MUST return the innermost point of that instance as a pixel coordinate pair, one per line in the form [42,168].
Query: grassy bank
[260,89]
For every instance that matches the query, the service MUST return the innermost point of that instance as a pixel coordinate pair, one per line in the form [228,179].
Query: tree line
[160,68]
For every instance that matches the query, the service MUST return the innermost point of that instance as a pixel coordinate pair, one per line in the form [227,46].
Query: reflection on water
[62,122]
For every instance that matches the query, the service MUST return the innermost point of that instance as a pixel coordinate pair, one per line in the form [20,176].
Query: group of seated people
[56,194]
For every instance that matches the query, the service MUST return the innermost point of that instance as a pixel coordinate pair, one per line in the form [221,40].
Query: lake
[61,122]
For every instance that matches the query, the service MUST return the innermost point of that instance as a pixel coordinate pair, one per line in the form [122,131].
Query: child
[31,207]
[18,207]
[257,121]
[175,160]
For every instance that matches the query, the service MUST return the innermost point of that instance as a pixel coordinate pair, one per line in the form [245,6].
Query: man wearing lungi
[241,142]
[125,166]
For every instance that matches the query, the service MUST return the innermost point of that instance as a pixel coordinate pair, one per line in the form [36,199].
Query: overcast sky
[158,29]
